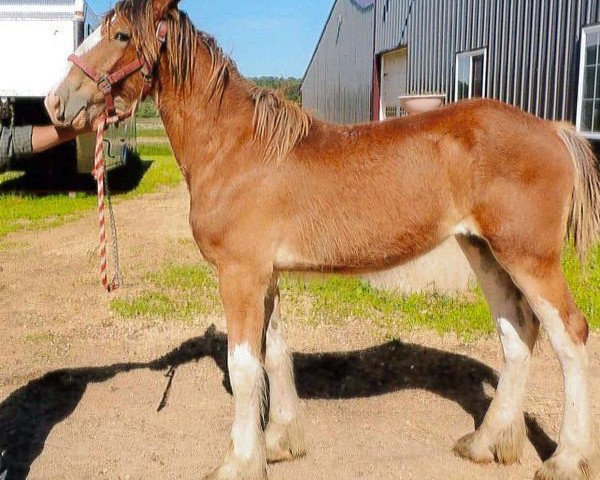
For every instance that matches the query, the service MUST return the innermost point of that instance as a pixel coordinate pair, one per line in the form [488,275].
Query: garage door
[394,67]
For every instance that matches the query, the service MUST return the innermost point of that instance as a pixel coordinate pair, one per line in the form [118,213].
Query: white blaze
[90,42]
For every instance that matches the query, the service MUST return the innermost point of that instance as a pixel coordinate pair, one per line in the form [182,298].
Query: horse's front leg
[284,434]
[243,291]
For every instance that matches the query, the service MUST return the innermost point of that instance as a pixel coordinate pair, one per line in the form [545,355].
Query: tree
[147,109]
[290,86]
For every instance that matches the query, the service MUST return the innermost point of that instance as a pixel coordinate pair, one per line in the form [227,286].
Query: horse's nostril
[55,107]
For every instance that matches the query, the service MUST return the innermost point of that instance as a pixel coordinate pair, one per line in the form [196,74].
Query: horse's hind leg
[284,434]
[576,457]
[502,433]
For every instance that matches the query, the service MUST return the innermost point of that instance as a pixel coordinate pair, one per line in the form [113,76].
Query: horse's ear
[163,7]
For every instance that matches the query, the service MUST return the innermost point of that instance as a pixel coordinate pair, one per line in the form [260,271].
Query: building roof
[364,4]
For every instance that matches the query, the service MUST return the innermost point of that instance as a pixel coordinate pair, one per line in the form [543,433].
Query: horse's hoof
[285,442]
[471,447]
[560,467]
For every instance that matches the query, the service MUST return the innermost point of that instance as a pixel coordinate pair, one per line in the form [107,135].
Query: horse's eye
[122,37]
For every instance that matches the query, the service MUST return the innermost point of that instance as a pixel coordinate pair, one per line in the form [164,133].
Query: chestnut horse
[273,190]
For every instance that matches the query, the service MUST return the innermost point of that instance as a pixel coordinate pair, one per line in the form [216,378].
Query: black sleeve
[15,143]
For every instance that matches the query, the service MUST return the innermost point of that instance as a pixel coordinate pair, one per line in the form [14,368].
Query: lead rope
[104,195]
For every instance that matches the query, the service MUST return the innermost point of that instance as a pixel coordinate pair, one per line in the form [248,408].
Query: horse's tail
[584,219]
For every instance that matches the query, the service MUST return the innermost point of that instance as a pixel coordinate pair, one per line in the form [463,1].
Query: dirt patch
[80,389]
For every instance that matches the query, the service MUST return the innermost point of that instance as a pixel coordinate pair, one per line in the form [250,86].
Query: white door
[394,68]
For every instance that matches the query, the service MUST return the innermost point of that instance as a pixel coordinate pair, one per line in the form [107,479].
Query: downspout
[376,88]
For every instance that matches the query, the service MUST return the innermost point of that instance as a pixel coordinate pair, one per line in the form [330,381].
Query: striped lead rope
[103,198]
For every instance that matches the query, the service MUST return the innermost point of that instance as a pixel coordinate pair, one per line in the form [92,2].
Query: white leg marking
[502,433]
[577,423]
[247,383]
[284,399]
[285,433]
[517,330]
[516,356]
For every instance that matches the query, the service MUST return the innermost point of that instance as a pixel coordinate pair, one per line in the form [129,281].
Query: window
[391,112]
[470,74]
[588,104]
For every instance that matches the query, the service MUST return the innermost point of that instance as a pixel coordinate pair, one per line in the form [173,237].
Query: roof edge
[362,5]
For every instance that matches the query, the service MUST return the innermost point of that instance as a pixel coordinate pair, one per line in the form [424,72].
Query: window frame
[471,54]
[585,31]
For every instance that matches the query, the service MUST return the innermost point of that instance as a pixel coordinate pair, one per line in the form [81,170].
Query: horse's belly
[353,256]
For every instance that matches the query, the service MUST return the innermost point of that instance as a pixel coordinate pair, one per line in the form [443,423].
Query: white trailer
[36,37]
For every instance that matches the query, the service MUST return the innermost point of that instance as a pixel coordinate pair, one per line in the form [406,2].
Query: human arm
[49,136]
[18,143]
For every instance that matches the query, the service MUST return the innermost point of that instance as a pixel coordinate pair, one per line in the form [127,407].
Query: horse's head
[126,40]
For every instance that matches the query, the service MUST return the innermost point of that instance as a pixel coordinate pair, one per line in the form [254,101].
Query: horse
[273,189]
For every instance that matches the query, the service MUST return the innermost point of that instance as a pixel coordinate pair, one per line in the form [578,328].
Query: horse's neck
[204,129]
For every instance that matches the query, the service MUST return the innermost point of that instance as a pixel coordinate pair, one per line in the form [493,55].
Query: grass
[180,292]
[151,150]
[152,133]
[19,212]
[30,212]
[584,281]
[177,293]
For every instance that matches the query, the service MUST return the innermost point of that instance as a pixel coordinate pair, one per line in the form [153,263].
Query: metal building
[338,82]
[540,55]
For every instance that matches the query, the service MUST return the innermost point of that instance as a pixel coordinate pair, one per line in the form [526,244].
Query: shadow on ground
[28,415]
[51,181]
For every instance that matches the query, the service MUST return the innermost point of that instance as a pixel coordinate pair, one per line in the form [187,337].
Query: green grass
[584,281]
[152,133]
[180,292]
[164,172]
[177,293]
[19,212]
[151,150]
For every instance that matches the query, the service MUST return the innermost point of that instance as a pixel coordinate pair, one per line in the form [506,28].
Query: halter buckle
[104,85]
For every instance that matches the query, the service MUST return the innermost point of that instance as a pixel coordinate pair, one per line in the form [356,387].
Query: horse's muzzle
[66,109]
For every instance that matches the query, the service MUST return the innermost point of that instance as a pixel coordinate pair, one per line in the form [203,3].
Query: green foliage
[180,292]
[177,293]
[335,299]
[164,172]
[29,212]
[290,86]
[18,212]
[147,109]
[584,281]
[186,291]
[155,149]
[152,133]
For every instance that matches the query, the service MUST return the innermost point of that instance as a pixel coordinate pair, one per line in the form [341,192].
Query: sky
[264,37]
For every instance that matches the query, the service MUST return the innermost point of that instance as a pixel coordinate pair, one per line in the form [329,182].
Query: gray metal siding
[532,47]
[337,85]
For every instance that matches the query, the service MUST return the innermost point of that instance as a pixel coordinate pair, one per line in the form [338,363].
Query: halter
[106,82]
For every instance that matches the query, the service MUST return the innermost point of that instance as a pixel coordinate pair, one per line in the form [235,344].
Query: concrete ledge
[444,270]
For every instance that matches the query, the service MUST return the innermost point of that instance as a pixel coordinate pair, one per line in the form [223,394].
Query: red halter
[105,82]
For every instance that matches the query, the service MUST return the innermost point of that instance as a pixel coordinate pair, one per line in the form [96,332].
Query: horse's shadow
[28,415]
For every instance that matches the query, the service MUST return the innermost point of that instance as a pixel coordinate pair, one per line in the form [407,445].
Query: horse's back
[387,192]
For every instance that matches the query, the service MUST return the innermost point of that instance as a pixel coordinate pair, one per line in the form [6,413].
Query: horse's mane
[279,124]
